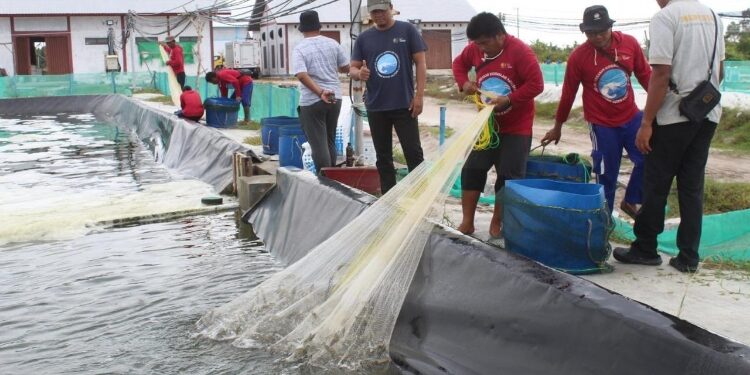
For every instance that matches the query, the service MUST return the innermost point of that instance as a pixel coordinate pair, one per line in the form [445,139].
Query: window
[97,41]
[265,57]
[270,34]
[263,36]
[280,33]
[193,39]
[281,55]
[140,39]
[273,57]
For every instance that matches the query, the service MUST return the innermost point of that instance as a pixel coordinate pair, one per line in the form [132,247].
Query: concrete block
[251,189]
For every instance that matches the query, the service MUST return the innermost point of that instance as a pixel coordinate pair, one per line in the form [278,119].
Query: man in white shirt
[685,35]
[316,62]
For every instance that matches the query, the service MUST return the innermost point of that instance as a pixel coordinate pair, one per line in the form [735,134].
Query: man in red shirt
[242,84]
[508,68]
[176,59]
[603,64]
[191,104]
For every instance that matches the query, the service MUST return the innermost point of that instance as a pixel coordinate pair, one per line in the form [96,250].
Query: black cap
[308,21]
[596,18]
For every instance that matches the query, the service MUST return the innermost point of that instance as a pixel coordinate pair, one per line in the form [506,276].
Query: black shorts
[509,160]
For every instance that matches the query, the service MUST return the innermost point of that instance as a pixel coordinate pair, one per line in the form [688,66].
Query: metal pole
[518,27]
[442,124]
[357,89]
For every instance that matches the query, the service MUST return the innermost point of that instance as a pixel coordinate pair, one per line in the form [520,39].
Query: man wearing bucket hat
[176,59]
[603,65]
[385,56]
[316,62]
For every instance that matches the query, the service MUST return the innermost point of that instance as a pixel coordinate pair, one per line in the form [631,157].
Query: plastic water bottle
[339,140]
[307,160]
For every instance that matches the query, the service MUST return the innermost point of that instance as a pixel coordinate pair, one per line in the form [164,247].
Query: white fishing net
[334,310]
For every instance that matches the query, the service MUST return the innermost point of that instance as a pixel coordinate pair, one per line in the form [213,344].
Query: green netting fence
[736,76]
[26,86]
[269,100]
[725,236]
[149,51]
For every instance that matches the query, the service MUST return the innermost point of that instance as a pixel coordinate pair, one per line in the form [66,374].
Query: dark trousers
[319,122]
[407,130]
[181,79]
[677,150]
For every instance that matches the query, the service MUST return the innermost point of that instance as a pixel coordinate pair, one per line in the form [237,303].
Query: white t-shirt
[683,36]
[320,57]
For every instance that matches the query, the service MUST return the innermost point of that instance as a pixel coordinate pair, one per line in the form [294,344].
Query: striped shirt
[320,57]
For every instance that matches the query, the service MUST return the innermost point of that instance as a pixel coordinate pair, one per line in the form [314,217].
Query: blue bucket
[269,132]
[291,139]
[221,112]
[564,225]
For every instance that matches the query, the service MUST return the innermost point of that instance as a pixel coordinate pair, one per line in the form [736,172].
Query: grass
[442,87]
[733,132]
[718,197]
[435,130]
[161,99]
[547,111]
[146,90]
[398,156]
[248,125]
[254,140]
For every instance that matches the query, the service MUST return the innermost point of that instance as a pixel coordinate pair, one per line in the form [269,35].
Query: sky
[572,11]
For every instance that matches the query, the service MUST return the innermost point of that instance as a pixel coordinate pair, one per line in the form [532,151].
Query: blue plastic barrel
[269,132]
[555,168]
[564,225]
[291,139]
[221,112]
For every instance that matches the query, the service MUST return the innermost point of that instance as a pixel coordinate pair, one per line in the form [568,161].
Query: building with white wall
[443,28]
[74,34]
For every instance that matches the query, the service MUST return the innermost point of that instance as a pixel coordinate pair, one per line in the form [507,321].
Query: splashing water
[334,310]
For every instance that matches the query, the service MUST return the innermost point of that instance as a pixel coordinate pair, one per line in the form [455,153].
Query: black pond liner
[476,309]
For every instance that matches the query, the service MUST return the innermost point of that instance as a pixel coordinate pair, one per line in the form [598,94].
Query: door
[58,55]
[438,48]
[335,35]
[22,50]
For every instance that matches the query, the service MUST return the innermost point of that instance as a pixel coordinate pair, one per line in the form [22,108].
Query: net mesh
[334,310]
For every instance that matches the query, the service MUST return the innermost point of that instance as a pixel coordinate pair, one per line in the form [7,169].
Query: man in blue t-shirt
[384,57]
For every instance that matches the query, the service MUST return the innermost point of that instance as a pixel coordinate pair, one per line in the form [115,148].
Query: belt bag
[700,102]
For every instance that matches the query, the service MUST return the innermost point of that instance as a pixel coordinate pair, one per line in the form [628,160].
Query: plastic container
[291,139]
[221,112]
[269,132]
[363,178]
[564,225]
[307,160]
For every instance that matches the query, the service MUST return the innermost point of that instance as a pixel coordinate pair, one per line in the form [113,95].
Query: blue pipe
[442,124]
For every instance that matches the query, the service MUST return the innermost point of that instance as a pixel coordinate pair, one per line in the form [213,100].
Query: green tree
[737,38]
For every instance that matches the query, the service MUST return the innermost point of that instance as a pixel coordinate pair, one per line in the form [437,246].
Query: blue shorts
[247,94]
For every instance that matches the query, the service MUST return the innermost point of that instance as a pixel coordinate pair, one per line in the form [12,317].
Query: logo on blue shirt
[613,85]
[387,64]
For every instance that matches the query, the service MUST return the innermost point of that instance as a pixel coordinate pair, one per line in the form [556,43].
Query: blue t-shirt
[389,57]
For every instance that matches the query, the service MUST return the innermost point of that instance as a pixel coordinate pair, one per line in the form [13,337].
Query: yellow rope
[488,138]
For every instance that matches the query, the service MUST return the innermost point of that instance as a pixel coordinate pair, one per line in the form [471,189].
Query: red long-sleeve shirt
[232,77]
[608,98]
[176,58]
[515,73]
[191,104]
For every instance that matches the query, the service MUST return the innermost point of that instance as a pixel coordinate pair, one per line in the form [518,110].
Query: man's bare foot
[466,228]
[496,230]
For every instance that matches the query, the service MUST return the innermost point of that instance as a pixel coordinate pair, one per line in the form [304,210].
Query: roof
[83,7]
[424,10]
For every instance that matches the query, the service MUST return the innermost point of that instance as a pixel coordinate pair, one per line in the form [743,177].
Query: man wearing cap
[316,62]
[687,47]
[242,84]
[176,59]
[384,56]
[603,65]
[508,68]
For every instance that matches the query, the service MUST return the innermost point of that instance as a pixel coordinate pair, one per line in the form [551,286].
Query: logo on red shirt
[496,83]
[612,84]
